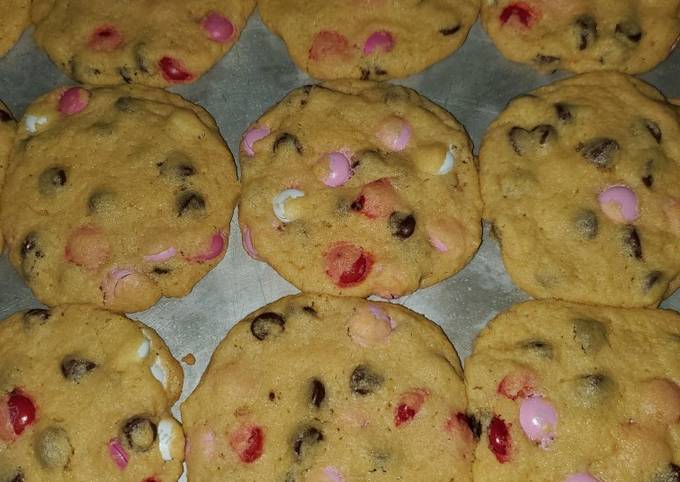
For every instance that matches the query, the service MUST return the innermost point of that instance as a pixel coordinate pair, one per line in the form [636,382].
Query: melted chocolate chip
[523,140]
[563,112]
[585,28]
[651,279]
[52,180]
[631,242]
[35,317]
[287,141]
[272,396]
[159,270]
[30,254]
[17,476]
[453,29]
[125,75]
[309,310]
[474,424]
[365,74]
[139,433]
[358,204]
[125,104]
[53,448]
[586,224]
[317,392]
[364,381]
[266,325]
[590,334]
[190,202]
[629,30]
[305,439]
[402,225]
[5,116]
[648,178]
[600,151]
[74,369]
[379,72]
[177,166]
[654,129]
[30,245]
[591,390]
[539,347]
[541,59]
[140,58]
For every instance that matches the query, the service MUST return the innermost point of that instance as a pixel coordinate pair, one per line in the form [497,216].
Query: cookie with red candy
[576,393]
[584,35]
[102,42]
[116,196]
[369,39]
[322,388]
[86,395]
[357,188]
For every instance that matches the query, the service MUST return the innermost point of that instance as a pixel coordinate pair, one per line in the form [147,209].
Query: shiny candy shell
[280,200]
[538,419]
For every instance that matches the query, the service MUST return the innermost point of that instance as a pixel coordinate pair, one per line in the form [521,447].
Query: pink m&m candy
[339,169]
[217,243]
[247,240]
[394,134]
[253,135]
[620,204]
[370,327]
[219,28]
[73,100]
[118,454]
[580,477]
[160,256]
[381,41]
[538,419]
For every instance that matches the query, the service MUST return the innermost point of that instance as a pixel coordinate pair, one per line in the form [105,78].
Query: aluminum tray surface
[474,84]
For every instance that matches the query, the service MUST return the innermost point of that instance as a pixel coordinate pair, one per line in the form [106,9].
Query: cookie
[580,180]
[577,393]
[116,196]
[85,395]
[7,132]
[630,36]
[15,18]
[294,382]
[101,42]
[357,188]
[369,39]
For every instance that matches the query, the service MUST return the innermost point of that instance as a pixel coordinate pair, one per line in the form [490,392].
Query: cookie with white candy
[85,395]
[358,188]
[117,196]
[293,382]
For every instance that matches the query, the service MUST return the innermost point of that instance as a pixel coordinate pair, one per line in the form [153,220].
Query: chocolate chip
[453,29]
[364,380]
[35,317]
[654,130]
[17,476]
[309,310]
[523,140]
[125,75]
[648,178]
[306,438]
[590,334]
[651,279]
[139,433]
[563,112]
[140,58]
[669,474]
[159,270]
[30,254]
[379,72]
[402,225]
[318,392]
[599,151]
[591,390]
[474,424]
[586,224]
[365,74]
[631,242]
[74,369]
[100,201]
[272,396]
[52,180]
[585,28]
[629,30]
[29,245]
[5,116]
[125,104]
[53,448]
[287,141]
[541,59]
[539,347]
[177,167]
[190,202]
[358,203]
[266,325]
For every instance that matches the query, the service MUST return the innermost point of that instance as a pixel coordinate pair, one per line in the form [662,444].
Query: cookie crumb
[189,359]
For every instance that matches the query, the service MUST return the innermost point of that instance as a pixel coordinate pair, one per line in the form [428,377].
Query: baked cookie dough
[580,179]
[357,188]
[15,18]
[318,388]
[575,393]
[7,132]
[85,395]
[369,39]
[116,196]
[631,36]
[150,42]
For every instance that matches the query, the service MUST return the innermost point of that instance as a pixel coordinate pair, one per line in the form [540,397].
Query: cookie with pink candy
[584,35]
[576,393]
[330,389]
[368,39]
[580,179]
[116,197]
[85,395]
[8,128]
[103,42]
[357,188]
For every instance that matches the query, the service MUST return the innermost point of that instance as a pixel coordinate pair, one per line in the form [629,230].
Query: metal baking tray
[474,84]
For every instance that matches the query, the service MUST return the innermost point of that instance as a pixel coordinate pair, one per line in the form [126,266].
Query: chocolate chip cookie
[357,188]
[577,393]
[631,36]
[580,179]
[15,18]
[116,196]
[7,132]
[148,42]
[318,388]
[369,39]
[85,395]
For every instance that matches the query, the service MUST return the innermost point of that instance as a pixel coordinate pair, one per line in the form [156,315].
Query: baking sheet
[474,84]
